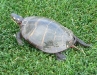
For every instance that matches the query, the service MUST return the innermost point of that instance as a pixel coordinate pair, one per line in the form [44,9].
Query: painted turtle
[46,35]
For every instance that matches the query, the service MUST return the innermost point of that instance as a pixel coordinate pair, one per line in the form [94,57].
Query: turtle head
[18,19]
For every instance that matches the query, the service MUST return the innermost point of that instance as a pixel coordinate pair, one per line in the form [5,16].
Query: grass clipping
[79,49]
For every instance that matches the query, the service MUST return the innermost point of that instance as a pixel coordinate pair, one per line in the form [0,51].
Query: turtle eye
[14,18]
[18,19]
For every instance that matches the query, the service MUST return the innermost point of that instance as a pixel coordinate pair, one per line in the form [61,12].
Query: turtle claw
[20,43]
[60,56]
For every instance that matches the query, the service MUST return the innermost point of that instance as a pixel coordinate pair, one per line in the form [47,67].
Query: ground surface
[78,15]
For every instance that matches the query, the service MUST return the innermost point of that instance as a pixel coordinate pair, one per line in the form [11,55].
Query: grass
[78,15]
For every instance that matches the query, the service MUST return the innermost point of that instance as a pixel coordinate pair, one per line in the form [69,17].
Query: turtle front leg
[60,56]
[19,38]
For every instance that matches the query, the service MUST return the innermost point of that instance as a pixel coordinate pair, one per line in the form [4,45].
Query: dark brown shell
[47,35]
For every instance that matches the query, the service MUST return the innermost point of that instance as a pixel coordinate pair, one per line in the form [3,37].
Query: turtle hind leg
[19,38]
[60,56]
[81,42]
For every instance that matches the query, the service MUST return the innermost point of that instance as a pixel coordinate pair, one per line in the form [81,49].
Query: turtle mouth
[13,19]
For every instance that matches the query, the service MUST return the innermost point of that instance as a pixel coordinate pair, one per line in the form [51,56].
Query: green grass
[78,15]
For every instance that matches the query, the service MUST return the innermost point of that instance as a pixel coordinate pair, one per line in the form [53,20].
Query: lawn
[80,16]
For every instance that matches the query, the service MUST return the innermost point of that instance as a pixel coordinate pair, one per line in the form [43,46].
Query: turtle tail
[81,42]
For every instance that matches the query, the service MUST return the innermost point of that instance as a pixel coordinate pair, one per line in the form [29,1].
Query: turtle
[46,34]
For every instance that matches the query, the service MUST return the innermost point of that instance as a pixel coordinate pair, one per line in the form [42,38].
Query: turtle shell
[47,35]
